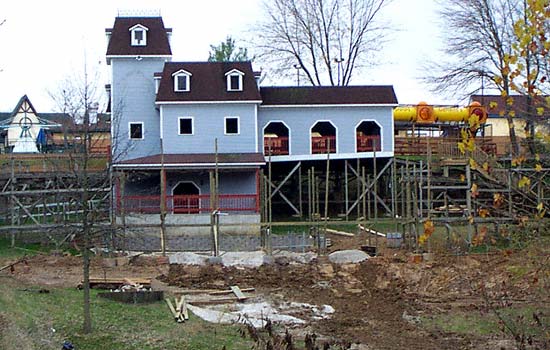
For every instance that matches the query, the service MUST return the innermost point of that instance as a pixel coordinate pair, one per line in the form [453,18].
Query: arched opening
[186,198]
[368,137]
[323,138]
[276,139]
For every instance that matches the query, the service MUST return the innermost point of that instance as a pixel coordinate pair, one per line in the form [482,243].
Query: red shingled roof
[204,160]
[323,95]
[157,39]
[208,82]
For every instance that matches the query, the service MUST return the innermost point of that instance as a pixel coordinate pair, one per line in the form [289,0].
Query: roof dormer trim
[234,80]
[234,72]
[138,35]
[182,80]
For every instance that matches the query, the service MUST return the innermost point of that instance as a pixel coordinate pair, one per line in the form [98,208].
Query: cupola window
[139,35]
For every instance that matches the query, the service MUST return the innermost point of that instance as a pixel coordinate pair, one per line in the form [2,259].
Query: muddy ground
[382,303]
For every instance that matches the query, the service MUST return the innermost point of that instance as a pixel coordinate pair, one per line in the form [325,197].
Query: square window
[182,83]
[235,82]
[136,131]
[231,125]
[185,126]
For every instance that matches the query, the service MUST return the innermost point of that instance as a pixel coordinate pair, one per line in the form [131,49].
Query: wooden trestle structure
[45,197]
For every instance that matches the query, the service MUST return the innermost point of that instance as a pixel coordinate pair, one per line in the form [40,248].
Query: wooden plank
[12,264]
[238,293]
[184,310]
[171,307]
[221,292]
[340,233]
[215,301]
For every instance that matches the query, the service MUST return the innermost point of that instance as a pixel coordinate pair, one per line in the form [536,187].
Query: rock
[244,259]
[410,318]
[348,256]
[326,270]
[214,260]
[187,258]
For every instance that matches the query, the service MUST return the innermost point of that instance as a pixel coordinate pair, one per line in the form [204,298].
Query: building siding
[300,120]
[133,100]
[208,120]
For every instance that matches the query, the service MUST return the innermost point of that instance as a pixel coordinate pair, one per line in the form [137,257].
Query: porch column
[257,190]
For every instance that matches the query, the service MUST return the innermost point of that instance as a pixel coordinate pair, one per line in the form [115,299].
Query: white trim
[206,102]
[330,105]
[289,136]
[136,56]
[191,165]
[133,30]
[234,71]
[192,126]
[381,133]
[333,156]
[140,26]
[336,135]
[186,182]
[238,125]
[162,124]
[179,74]
[130,131]
[182,71]
[256,126]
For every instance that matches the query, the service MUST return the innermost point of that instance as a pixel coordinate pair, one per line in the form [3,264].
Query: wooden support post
[300,205]
[346,188]
[469,204]
[327,187]
[368,194]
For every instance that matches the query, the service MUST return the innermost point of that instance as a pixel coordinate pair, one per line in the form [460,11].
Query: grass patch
[7,252]
[116,325]
[483,324]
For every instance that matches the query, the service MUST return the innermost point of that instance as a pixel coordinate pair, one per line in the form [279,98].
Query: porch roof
[195,161]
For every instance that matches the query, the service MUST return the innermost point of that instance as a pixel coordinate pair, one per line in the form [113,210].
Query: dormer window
[234,80]
[139,35]
[182,81]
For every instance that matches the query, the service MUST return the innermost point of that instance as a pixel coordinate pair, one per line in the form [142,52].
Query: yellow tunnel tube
[425,114]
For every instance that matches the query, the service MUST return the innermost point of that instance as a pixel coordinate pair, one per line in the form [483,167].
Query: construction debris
[11,266]
[348,256]
[120,284]
[180,312]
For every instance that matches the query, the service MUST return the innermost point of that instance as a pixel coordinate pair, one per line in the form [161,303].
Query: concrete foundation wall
[240,223]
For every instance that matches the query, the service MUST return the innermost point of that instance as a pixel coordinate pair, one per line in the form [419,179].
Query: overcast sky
[42,42]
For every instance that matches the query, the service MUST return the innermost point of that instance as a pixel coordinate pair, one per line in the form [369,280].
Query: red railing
[279,145]
[368,143]
[190,204]
[319,144]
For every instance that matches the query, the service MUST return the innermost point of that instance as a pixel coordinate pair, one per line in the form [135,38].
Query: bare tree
[479,35]
[327,40]
[76,97]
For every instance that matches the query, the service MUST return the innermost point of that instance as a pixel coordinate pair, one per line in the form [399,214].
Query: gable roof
[496,104]
[25,99]
[208,82]
[56,122]
[157,37]
[328,95]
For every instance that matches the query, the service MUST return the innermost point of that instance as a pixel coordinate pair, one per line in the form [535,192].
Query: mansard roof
[208,83]
[157,37]
[328,95]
